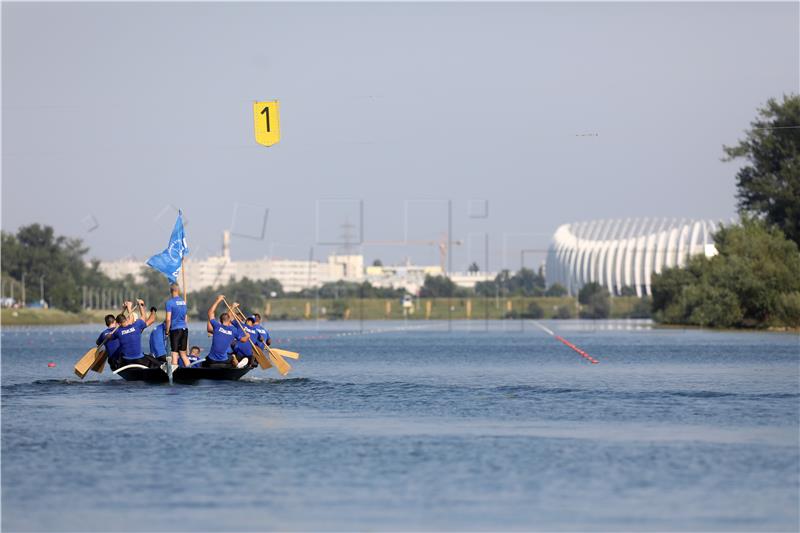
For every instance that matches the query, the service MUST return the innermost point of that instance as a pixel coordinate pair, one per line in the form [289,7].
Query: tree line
[36,256]
[754,280]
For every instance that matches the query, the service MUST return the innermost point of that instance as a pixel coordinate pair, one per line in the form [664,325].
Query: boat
[180,374]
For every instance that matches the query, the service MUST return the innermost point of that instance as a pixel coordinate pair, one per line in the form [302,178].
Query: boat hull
[180,375]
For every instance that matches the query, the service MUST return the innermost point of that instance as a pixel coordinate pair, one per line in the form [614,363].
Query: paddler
[129,335]
[112,345]
[158,346]
[176,325]
[264,338]
[224,332]
[194,355]
[243,349]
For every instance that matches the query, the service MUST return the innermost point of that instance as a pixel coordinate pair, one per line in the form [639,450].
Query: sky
[514,118]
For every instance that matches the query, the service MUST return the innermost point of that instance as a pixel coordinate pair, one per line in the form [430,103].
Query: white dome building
[624,253]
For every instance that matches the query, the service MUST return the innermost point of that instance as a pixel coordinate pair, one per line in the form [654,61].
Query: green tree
[642,308]
[596,301]
[535,311]
[564,312]
[627,290]
[524,282]
[251,295]
[751,282]
[349,289]
[556,289]
[769,184]
[474,268]
[35,253]
[438,287]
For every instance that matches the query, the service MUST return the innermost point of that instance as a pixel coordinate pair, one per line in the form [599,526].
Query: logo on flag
[169,261]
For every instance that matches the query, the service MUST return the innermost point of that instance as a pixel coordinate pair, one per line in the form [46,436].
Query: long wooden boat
[180,375]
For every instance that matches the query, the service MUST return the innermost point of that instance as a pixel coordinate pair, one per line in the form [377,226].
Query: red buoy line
[565,341]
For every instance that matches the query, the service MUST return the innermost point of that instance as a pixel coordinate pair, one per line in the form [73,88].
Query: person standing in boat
[112,346]
[129,335]
[176,325]
[224,332]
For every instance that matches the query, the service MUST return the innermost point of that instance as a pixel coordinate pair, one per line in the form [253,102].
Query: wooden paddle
[285,353]
[88,360]
[261,359]
[276,360]
[100,365]
[94,359]
[280,364]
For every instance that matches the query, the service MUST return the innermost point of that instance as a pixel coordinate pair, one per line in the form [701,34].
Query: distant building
[409,277]
[213,271]
[296,274]
[624,253]
[122,267]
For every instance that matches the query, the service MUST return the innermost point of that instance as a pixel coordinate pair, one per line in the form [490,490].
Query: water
[502,428]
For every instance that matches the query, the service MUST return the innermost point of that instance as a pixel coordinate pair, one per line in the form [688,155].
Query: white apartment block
[296,274]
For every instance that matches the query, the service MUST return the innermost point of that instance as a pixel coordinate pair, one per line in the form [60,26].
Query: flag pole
[183,279]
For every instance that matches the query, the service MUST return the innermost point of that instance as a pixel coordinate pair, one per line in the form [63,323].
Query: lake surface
[461,426]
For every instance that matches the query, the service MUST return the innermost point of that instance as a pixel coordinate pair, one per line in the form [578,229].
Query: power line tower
[347,237]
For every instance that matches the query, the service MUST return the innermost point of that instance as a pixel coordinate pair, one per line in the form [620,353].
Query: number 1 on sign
[265,111]
[266,120]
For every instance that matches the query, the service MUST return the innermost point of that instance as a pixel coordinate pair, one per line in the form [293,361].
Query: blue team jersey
[111,345]
[263,335]
[245,348]
[192,361]
[223,336]
[177,307]
[130,339]
[157,345]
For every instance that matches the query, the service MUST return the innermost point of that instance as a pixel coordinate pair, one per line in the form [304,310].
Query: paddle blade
[100,364]
[285,353]
[279,363]
[261,359]
[86,363]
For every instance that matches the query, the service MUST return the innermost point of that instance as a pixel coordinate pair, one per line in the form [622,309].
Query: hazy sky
[550,113]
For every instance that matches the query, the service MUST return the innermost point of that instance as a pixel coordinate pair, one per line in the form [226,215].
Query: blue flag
[169,261]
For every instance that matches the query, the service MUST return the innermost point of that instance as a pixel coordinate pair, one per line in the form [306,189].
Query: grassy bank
[430,308]
[48,317]
[356,309]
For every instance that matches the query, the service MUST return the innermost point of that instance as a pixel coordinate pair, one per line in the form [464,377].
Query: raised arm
[150,319]
[238,323]
[212,313]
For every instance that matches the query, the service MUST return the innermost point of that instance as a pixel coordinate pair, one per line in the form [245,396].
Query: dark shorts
[178,339]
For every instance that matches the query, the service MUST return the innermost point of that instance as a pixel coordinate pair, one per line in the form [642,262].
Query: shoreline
[55,317]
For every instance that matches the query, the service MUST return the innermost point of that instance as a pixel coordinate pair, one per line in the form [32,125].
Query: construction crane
[443,245]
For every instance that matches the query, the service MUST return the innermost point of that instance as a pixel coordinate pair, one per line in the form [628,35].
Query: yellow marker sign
[267,122]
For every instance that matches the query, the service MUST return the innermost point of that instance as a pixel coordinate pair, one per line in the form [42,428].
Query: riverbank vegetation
[754,281]
[350,309]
